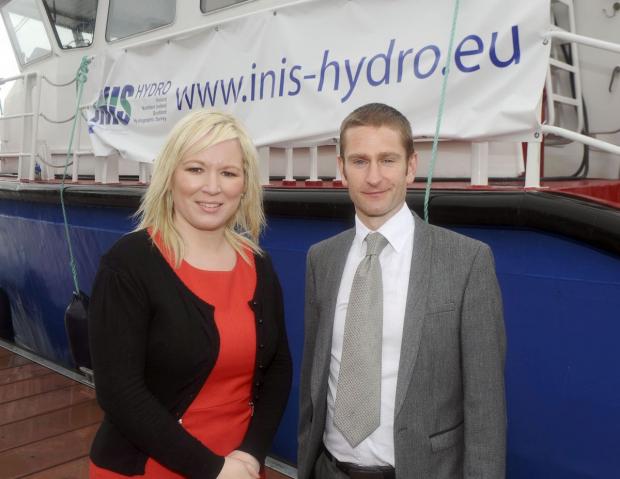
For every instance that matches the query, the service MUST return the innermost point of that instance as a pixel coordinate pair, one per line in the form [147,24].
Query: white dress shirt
[378,448]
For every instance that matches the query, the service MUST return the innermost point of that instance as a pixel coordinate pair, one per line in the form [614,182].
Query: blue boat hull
[561,299]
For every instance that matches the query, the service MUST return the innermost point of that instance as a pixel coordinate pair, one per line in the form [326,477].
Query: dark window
[130,17]
[211,5]
[73,21]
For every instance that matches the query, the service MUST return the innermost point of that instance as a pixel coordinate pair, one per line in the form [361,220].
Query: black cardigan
[153,344]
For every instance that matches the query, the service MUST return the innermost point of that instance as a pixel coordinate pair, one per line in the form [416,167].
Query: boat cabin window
[73,21]
[127,18]
[211,5]
[25,27]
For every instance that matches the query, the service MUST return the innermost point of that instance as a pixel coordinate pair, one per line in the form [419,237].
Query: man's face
[377,171]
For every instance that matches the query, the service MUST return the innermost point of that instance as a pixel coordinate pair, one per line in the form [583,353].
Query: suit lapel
[335,261]
[419,278]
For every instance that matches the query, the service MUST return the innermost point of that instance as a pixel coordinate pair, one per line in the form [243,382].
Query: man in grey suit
[422,394]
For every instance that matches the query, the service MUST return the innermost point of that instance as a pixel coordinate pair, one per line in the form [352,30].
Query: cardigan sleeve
[276,381]
[119,317]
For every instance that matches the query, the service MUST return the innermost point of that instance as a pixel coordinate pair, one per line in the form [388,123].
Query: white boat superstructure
[50,38]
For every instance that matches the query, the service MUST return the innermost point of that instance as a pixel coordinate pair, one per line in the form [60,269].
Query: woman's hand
[237,469]
[247,458]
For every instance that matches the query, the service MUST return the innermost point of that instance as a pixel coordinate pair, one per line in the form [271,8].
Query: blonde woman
[188,343]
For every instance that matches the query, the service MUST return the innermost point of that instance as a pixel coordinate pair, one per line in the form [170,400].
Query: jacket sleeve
[483,344]
[276,382]
[305,463]
[119,316]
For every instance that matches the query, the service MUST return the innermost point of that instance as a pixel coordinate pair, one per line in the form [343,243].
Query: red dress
[220,414]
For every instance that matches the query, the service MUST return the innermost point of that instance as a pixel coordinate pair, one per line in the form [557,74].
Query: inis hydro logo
[113,106]
[139,104]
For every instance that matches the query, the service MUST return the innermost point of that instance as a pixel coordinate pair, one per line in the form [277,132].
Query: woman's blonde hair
[193,134]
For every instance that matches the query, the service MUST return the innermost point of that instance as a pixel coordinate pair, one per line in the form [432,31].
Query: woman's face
[207,188]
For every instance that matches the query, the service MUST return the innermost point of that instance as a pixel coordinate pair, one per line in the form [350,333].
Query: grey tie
[358,395]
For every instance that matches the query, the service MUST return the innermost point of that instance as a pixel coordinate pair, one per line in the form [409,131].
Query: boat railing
[27,117]
[33,150]
[532,172]
[310,155]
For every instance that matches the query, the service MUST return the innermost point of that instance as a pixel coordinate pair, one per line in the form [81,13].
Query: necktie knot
[375,242]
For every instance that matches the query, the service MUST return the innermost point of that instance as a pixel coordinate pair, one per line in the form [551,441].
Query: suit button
[257,384]
[262,346]
[260,321]
[260,366]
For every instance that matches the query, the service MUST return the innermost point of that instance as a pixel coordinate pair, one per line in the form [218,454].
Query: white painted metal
[566,100]
[589,41]
[106,169]
[9,79]
[19,115]
[145,173]
[338,176]
[263,164]
[44,158]
[552,97]
[562,65]
[188,23]
[289,164]
[214,20]
[314,163]
[480,163]
[75,166]
[586,140]
[22,171]
[532,171]
[36,93]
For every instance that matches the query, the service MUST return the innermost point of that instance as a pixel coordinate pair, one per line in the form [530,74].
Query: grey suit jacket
[450,419]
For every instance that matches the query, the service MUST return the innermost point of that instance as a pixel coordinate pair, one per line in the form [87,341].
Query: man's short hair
[377,115]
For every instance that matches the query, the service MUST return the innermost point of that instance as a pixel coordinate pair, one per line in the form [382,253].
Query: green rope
[442,100]
[81,77]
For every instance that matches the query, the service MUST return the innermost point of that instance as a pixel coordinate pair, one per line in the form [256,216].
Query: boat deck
[47,422]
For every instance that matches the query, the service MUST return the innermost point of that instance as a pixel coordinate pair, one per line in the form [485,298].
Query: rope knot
[82,73]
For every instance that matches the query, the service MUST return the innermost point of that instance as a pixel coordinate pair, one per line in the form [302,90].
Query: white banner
[291,75]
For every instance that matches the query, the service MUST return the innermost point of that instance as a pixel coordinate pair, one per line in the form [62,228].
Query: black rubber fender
[6,322]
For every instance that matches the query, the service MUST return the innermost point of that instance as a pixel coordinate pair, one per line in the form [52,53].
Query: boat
[528,162]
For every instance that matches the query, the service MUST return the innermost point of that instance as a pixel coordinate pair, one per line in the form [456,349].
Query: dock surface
[47,422]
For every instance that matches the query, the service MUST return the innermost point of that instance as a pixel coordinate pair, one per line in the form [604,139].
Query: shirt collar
[396,230]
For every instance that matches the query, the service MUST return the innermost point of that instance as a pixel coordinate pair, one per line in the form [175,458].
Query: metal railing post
[314,167]
[480,163]
[263,164]
[36,93]
[532,169]
[289,179]
[21,163]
